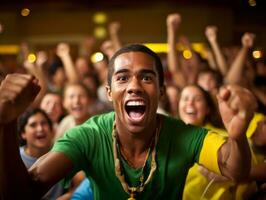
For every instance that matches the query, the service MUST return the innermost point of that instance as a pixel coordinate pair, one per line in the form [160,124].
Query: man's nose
[134,85]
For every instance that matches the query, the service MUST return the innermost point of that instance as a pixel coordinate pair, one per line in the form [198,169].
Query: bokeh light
[252,3]
[100,32]
[257,54]
[99,18]
[187,54]
[31,57]
[25,12]
[97,57]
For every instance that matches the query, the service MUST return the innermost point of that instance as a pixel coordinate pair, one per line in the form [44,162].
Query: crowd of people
[135,124]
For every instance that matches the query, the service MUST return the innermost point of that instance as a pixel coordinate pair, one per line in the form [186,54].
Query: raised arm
[36,69]
[173,22]
[17,91]
[234,74]
[237,106]
[63,51]
[114,28]
[211,35]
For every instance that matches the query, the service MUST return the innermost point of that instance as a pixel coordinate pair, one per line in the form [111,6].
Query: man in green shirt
[132,152]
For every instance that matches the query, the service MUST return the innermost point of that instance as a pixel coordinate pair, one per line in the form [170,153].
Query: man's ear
[109,92]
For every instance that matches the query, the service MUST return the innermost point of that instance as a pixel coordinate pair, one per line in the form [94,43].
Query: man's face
[135,91]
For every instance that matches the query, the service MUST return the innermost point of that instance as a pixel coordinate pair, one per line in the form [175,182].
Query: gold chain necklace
[133,190]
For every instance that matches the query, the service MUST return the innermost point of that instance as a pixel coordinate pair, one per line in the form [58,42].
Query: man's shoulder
[171,123]
[101,121]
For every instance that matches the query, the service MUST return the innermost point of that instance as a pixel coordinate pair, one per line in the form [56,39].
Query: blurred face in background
[52,105]
[193,107]
[101,69]
[207,81]
[38,134]
[59,78]
[173,97]
[76,102]
[82,66]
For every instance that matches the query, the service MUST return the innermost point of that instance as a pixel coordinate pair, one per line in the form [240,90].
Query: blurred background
[44,24]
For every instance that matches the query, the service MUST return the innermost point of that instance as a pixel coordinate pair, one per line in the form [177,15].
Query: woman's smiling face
[193,107]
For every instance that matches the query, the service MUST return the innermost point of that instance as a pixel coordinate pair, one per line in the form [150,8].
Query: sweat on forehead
[136,48]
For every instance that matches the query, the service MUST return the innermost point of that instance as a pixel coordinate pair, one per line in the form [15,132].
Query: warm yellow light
[25,12]
[252,3]
[157,47]
[187,54]
[163,48]
[31,58]
[99,18]
[100,32]
[257,54]
[9,49]
[97,57]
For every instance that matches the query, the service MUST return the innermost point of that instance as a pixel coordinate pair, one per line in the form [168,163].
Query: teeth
[135,103]
[190,111]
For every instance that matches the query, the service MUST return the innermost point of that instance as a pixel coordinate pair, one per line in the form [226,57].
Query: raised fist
[211,33]
[17,91]
[173,20]
[248,39]
[62,49]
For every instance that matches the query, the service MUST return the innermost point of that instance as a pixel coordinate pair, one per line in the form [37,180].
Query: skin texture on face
[38,135]
[52,105]
[76,102]
[207,81]
[193,108]
[135,83]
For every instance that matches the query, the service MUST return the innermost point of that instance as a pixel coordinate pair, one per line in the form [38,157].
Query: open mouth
[41,137]
[190,111]
[135,109]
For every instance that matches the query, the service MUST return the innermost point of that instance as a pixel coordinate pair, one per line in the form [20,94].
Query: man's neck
[134,146]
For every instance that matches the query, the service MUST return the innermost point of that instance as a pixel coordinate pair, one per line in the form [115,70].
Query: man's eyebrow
[148,71]
[121,71]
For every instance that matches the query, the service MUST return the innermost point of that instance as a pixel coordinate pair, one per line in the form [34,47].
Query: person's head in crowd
[52,104]
[77,99]
[173,94]
[107,48]
[197,107]
[82,66]
[36,132]
[57,74]
[209,80]
[101,68]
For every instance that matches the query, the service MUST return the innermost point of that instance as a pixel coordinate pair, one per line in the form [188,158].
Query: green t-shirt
[90,148]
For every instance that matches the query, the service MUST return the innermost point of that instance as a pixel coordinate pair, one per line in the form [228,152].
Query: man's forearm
[235,159]
[14,178]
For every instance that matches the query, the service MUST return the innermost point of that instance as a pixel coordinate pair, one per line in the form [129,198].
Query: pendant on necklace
[132,196]
[132,191]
